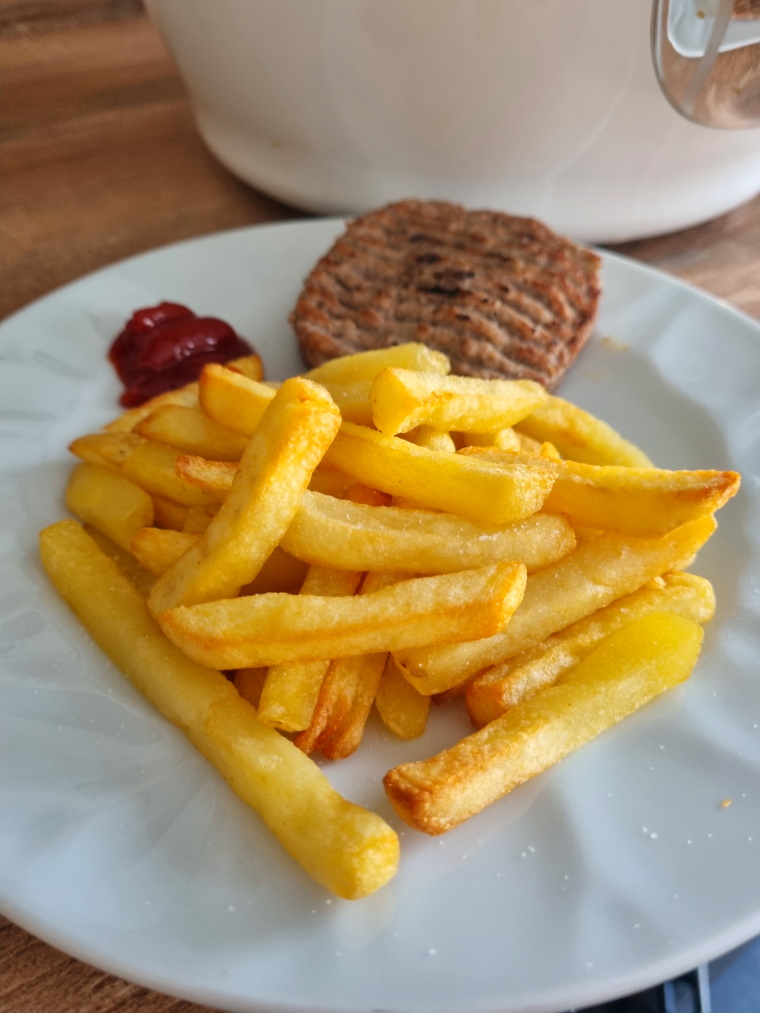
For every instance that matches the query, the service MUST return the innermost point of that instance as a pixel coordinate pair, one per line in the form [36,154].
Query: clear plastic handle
[707,59]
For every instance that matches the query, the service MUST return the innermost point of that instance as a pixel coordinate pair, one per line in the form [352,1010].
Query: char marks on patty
[502,296]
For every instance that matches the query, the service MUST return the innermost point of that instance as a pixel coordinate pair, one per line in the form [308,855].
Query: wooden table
[99,160]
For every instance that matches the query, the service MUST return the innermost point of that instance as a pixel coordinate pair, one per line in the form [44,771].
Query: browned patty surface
[501,296]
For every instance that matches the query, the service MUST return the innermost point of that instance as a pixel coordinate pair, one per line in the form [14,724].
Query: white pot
[540,107]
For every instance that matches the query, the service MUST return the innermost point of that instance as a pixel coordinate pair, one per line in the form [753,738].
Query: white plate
[614,870]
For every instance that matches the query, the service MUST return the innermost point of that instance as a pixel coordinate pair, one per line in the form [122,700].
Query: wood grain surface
[99,159]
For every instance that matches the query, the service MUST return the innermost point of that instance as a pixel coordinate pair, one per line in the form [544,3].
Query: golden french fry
[233,400]
[506,685]
[485,492]
[619,676]
[345,848]
[147,463]
[269,629]
[249,365]
[366,365]
[126,422]
[289,443]
[402,399]
[353,536]
[502,439]
[192,432]
[281,572]
[636,501]
[136,574]
[291,689]
[168,514]
[352,397]
[346,694]
[198,518]
[593,575]
[403,710]
[580,436]
[158,549]
[109,502]
[432,439]
[249,683]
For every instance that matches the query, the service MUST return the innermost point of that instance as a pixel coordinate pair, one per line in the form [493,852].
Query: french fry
[432,439]
[279,573]
[506,685]
[291,689]
[249,365]
[580,436]
[109,502]
[619,676]
[346,695]
[402,709]
[249,683]
[136,574]
[168,514]
[366,365]
[484,492]
[197,519]
[158,549]
[592,576]
[274,471]
[147,463]
[402,399]
[645,502]
[342,846]
[502,439]
[192,432]
[186,396]
[353,400]
[233,400]
[269,629]
[351,536]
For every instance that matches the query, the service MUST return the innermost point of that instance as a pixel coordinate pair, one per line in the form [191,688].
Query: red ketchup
[166,346]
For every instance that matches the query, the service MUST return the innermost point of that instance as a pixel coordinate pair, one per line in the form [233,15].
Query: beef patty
[501,296]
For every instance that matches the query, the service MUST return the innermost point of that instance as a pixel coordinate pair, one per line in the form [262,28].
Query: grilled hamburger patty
[501,296]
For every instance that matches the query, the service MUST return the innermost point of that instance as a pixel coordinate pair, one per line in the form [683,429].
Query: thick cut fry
[168,514]
[136,574]
[249,683]
[353,400]
[402,399]
[503,439]
[403,710]
[291,690]
[506,685]
[149,464]
[345,848]
[158,549]
[198,518]
[186,396]
[352,536]
[192,432]
[249,365]
[439,480]
[432,439]
[645,502]
[623,673]
[366,365]
[233,400]
[580,436]
[289,443]
[270,629]
[281,572]
[346,694]
[590,577]
[110,502]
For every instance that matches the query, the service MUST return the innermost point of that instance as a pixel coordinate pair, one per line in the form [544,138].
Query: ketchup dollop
[166,346]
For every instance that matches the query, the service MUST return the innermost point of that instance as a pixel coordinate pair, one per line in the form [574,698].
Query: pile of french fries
[267,562]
